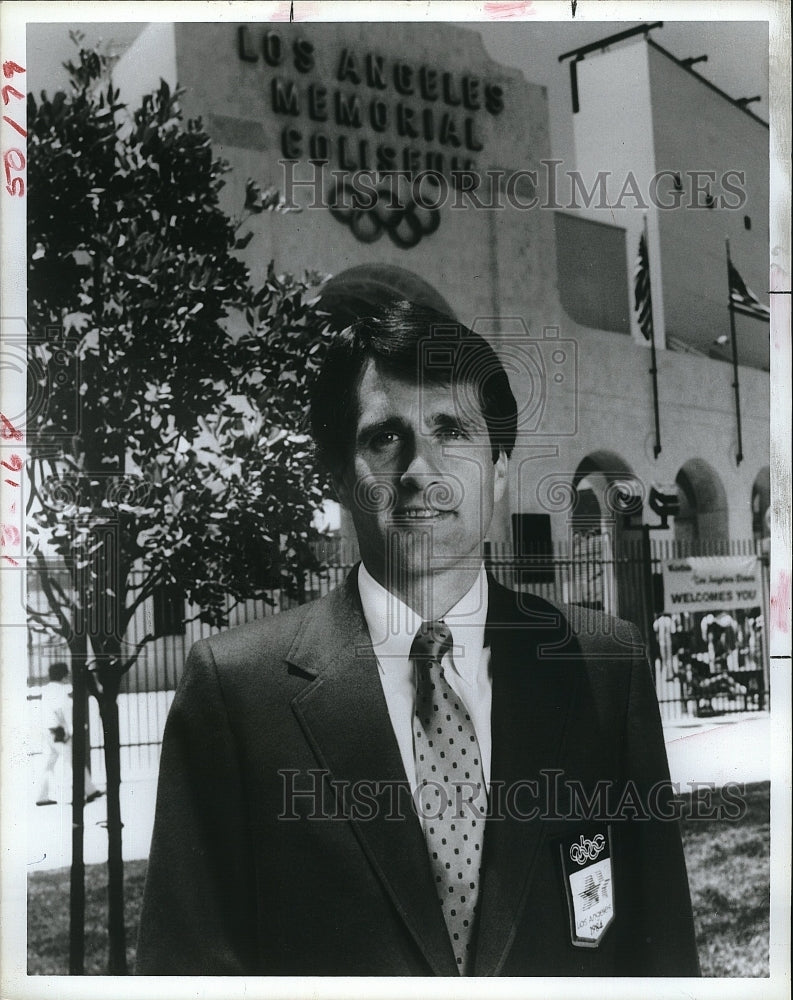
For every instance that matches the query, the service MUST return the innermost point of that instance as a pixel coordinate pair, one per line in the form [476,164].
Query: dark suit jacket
[294,703]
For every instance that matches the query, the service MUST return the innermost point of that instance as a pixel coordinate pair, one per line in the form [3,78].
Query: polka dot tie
[450,788]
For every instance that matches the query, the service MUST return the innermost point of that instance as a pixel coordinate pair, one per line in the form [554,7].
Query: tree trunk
[77,873]
[117,936]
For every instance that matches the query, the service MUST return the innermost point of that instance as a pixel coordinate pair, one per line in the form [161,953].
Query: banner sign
[709,583]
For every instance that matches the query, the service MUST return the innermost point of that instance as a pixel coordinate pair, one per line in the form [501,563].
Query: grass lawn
[48,918]
[728,867]
[729,872]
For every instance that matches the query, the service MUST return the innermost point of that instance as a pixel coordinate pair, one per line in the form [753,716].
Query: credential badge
[586,863]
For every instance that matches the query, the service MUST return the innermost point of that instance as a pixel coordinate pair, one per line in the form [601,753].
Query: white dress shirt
[393,625]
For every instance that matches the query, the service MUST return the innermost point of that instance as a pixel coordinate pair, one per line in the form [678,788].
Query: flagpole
[653,359]
[734,339]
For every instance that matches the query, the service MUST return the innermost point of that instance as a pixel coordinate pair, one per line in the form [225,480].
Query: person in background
[56,716]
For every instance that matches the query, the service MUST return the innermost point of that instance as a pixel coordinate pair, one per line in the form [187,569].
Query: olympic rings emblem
[586,849]
[405,221]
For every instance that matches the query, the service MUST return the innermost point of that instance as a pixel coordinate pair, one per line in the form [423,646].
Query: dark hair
[58,671]
[417,344]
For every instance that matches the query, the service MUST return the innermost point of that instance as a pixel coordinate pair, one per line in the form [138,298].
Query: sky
[738,52]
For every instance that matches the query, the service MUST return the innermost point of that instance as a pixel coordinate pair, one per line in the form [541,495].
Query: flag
[743,299]
[641,284]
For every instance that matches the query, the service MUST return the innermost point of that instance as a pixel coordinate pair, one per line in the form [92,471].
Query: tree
[168,397]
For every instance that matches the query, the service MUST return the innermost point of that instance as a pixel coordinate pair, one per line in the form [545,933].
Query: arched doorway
[703,513]
[607,494]
[761,505]
[685,522]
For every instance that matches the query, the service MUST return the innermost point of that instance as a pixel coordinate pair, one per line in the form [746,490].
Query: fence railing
[692,675]
[710,661]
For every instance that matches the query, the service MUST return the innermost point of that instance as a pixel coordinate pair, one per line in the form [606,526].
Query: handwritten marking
[10,535]
[8,431]
[8,89]
[13,159]
[15,185]
[780,602]
[503,11]
[15,125]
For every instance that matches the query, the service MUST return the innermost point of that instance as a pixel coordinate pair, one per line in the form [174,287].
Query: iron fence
[691,676]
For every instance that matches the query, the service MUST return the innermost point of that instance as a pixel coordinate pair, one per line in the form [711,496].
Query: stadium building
[537,256]
[423,169]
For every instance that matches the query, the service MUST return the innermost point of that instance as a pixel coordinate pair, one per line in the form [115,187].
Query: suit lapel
[345,718]
[532,698]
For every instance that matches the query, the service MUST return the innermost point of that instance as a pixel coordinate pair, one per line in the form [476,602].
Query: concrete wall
[695,127]
[464,258]
[613,135]
[612,395]
[643,115]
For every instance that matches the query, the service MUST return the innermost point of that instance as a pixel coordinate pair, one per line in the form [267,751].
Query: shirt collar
[393,625]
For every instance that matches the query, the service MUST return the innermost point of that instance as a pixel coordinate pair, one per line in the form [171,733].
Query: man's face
[421,483]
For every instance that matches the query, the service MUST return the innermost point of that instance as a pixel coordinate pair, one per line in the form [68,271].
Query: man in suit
[422,773]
